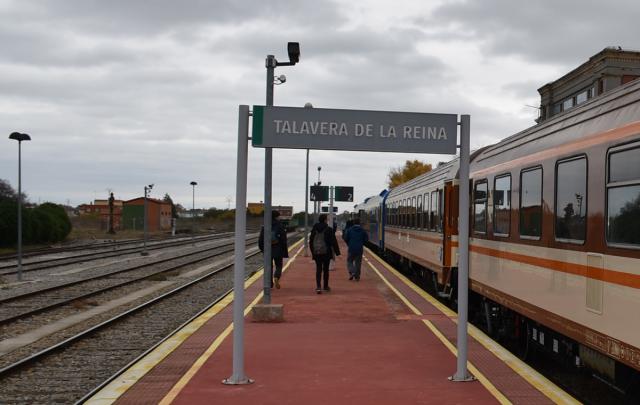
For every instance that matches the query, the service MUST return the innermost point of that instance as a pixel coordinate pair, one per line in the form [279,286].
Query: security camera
[282,78]
[293,48]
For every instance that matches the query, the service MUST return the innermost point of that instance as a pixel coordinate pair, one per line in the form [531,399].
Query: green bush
[46,223]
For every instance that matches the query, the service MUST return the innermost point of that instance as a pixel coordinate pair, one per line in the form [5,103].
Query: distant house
[198,213]
[255,208]
[158,214]
[101,209]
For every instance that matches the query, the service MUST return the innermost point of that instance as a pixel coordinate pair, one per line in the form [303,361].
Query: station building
[604,71]
[158,214]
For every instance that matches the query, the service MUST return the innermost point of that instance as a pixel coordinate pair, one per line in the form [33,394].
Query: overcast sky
[122,93]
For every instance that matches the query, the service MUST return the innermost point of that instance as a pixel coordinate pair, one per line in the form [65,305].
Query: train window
[502,205]
[396,216]
[425,214]
[440,208]
[571,199]
[531,203]
[404,213]
[414,212]
[392,213]
[480,207]
[395,213]
[433,214]
[623,197]
[419,213]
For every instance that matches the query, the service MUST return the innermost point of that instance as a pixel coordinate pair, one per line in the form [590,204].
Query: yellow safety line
[126,380]
[541,383]
[483,380]
[179,386]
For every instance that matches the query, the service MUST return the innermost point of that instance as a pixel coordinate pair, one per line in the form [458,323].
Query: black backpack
[319,244]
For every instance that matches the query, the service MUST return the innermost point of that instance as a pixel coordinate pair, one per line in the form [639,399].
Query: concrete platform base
[268,313]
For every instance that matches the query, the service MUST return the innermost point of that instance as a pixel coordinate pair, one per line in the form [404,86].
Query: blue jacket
[356,237]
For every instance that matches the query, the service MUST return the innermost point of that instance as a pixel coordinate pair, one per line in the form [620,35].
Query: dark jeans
[322,270]
[277,265]
[354,263]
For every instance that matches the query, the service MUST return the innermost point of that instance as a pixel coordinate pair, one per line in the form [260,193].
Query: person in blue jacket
[355,237]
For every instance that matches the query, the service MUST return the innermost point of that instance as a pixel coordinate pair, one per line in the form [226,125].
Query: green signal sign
[342,193]
[319,193]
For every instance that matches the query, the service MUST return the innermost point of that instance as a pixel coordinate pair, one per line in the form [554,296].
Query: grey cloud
[542,31]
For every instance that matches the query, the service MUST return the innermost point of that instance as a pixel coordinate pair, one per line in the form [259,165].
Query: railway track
[49,263]
[29,304]
[69,369]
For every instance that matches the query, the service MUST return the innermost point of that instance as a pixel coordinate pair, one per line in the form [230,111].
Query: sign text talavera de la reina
[379,131]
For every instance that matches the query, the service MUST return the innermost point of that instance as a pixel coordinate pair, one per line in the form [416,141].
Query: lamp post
[147,189]
[306,200]
[319,202]
[193,212]
[293,49]
[17,136]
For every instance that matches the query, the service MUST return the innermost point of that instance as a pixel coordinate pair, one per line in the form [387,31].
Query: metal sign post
[379,131]
[331,191]
[463,257]
[238,376]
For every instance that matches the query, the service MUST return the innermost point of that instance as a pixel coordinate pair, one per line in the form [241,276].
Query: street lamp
[319,202]
[17,136]
[293,50]
[147,190]
[306,200]
[193,212]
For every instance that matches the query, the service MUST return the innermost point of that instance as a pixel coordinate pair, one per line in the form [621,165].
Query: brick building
[101,209]
[158,214]
[604,71]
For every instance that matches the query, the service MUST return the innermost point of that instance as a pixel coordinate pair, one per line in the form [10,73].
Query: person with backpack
[323,247]
[355,237]
[279,248]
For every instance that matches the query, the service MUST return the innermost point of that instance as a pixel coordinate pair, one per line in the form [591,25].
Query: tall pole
[306,209]
[144,219]
[463,257]
[268,160]
[238,376]
[193,213]
[19,210]
[319,202]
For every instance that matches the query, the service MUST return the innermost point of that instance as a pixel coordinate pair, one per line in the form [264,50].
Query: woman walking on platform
[323,247]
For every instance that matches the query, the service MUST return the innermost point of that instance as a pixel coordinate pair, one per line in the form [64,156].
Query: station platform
[380,340]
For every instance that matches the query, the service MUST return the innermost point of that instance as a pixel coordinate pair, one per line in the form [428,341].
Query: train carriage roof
[436,177]
[613,109]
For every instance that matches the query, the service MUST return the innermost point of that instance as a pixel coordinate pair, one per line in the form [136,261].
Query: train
[554,248]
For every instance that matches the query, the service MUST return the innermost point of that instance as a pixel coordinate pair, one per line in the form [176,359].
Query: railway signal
[343,193]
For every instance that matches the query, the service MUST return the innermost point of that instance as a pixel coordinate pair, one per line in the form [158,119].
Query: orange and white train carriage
[554,238]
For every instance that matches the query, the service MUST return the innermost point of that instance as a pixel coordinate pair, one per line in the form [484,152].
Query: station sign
[342,193]
[326,209]
[357,130]
[319,193]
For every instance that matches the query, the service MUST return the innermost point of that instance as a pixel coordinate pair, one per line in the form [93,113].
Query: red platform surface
[358,344]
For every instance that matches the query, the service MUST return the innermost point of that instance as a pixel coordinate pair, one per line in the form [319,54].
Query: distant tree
[410,170]
[8,193]
[45,223]
[174,212]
